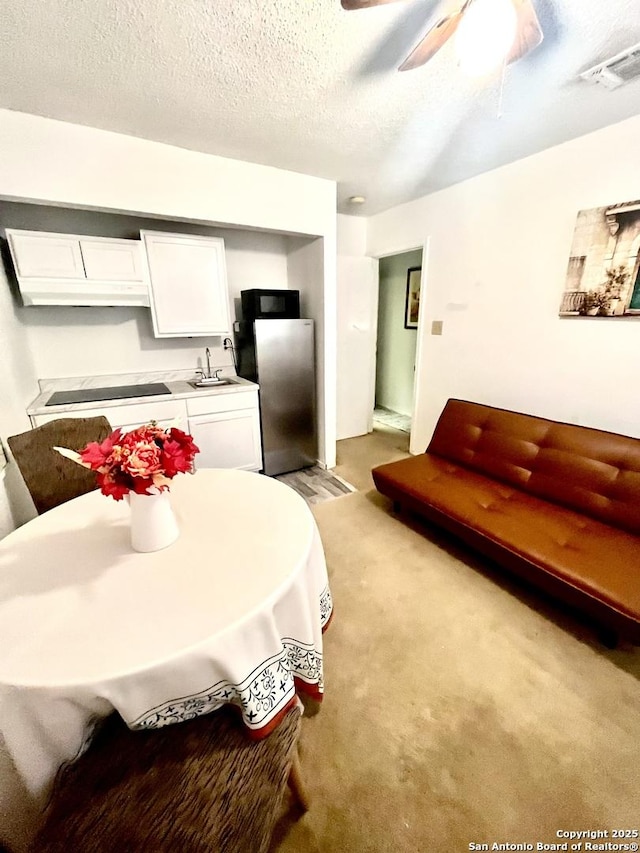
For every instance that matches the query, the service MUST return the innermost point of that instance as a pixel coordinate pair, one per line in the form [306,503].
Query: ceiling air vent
[616,71]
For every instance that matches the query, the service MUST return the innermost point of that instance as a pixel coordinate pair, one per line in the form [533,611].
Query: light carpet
[460,708]
[357,456]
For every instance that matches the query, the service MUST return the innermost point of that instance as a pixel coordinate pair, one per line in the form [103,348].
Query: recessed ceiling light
[357,199]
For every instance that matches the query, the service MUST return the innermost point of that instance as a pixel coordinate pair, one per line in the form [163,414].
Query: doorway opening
[399,282]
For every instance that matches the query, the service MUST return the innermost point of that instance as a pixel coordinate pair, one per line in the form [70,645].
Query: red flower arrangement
[143,460]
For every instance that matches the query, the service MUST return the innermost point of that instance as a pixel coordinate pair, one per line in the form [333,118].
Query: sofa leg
[609,637]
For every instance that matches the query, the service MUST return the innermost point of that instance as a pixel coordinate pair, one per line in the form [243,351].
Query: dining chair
[197,786]
[51,478]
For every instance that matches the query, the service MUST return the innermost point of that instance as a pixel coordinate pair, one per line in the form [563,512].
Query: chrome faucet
[208,375]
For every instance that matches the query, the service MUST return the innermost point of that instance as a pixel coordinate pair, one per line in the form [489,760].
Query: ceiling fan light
[485,35]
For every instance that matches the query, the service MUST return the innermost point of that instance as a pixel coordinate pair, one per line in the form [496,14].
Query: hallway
[389,418]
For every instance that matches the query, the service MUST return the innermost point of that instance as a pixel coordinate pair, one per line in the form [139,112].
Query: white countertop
[176,381]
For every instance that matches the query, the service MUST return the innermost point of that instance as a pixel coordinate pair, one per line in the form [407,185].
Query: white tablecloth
[233,611]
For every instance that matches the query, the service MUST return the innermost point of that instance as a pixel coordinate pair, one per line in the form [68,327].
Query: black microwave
[270,305]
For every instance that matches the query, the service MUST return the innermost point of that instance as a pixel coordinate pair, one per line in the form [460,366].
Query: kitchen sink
[211,383]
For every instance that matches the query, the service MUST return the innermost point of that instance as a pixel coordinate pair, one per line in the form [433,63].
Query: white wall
[17,387]
[396,349]
[499,247]
[352,235]
[59,164]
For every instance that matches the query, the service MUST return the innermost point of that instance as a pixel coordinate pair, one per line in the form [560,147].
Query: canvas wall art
[603,275]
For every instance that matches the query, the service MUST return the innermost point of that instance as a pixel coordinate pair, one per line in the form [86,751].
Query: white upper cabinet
[187,285]
[69,269]
[45,255]
[112,260]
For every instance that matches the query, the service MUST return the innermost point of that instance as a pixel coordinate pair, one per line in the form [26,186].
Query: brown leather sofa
[557,504]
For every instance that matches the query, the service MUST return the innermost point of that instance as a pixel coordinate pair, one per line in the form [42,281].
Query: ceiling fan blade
[439,33]
[529,33]
[350,5]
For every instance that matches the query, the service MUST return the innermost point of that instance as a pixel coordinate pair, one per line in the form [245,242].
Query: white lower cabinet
[226,428]
[227,440]
[127,417]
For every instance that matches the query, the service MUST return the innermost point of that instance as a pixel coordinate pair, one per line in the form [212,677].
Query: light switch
[436,327]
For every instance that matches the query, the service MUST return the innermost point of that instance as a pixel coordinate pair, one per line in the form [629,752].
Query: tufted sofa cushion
[591,471]
[558,504]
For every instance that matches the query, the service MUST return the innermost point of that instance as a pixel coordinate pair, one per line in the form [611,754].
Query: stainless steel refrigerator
[279,356]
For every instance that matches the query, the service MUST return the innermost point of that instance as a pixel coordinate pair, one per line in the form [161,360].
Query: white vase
[153,524]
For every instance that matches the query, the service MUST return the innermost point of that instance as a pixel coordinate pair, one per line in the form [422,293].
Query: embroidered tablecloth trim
[260,696]
[326,607]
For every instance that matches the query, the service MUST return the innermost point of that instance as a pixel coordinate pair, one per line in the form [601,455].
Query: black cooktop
[119,392]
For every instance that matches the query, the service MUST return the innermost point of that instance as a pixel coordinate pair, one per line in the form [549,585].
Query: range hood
[43,291]
[74,269]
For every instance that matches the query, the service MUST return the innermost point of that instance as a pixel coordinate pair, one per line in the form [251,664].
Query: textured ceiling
[304,85]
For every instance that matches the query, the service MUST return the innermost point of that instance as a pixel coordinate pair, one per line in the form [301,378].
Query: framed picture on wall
[603,275]
[412,303]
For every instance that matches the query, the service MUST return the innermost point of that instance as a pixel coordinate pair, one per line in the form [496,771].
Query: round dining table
[232,612]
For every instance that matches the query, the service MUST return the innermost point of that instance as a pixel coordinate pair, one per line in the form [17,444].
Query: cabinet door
[188,285]
[45,255]
[228,440]
[112,260]
[127,417]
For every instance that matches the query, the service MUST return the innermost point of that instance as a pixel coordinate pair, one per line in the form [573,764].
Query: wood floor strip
[316,484]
